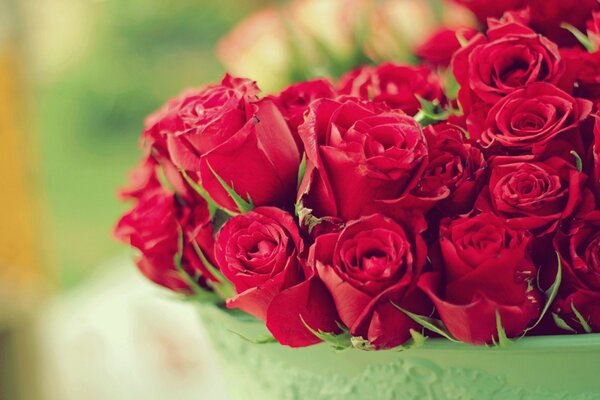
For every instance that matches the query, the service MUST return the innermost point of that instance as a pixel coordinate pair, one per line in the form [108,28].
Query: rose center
[374,263]
[262,248]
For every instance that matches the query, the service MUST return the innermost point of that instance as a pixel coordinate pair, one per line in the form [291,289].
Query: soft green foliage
[561,323]
[339,341]
[90,111]
[582,321]
[242,205]
[212,206]
[432,112]
[578,161]
[580,36]
[302,169]
[503,340]
[199,294]
[305,216]
[550,294]
[224,289]
[433,324]
[262,340]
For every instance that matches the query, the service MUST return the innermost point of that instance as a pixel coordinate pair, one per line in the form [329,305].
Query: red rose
[532,195]
[584,68]
[548,15]
[294,100]
[397,86]
[579,249]
[453,170]
[593,29]
[511,57]
[485,268]
[258,252]
[596,161]
[491,8]
[223,128]
[545,16]
[358,157]
[153,227]
[142,180]
[371,263]
[527,119]
[439,47]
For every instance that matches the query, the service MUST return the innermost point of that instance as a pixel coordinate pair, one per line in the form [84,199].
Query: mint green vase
[534,368]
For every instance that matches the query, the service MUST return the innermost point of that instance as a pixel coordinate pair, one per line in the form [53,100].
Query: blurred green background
[109,65]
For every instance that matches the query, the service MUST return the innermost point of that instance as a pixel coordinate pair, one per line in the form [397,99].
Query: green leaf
[263,340]
[301,170]
[434,325]
[582,321]
[578,161]
[550,293]
[461,39]
[360,343]
[580,36]
[339,342]
[223,288]
[432,112]
[242,205]
[418,338]
[212,206]
[561,323]
[306,217]
[451,86]
[503,340]
[178,261]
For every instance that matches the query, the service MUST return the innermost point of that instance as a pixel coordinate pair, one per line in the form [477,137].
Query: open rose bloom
[456,198]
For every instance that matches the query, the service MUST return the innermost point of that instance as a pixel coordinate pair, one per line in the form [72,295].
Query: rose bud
[485,268]
[532,195]
[258,252]
[154,227]
[358,157]
[371,263]
[395,85]
[579,249]
[453,170]
[527,119]
[222,131]
[509,58]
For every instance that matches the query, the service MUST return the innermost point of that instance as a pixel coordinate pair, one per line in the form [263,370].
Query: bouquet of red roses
[460,196]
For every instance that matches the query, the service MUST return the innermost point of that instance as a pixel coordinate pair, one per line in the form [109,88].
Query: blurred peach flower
[259,48]
[309,38]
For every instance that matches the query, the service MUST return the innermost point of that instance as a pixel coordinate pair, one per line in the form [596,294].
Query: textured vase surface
[534,368]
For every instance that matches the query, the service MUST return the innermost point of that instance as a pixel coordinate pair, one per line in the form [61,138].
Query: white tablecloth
[119,337]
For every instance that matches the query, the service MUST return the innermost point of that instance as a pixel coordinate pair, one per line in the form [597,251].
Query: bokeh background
[77,78]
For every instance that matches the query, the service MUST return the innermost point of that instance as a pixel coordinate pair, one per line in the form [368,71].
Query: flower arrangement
[459,197]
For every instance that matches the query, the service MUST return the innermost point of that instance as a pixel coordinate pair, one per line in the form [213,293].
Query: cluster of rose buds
[460,196]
